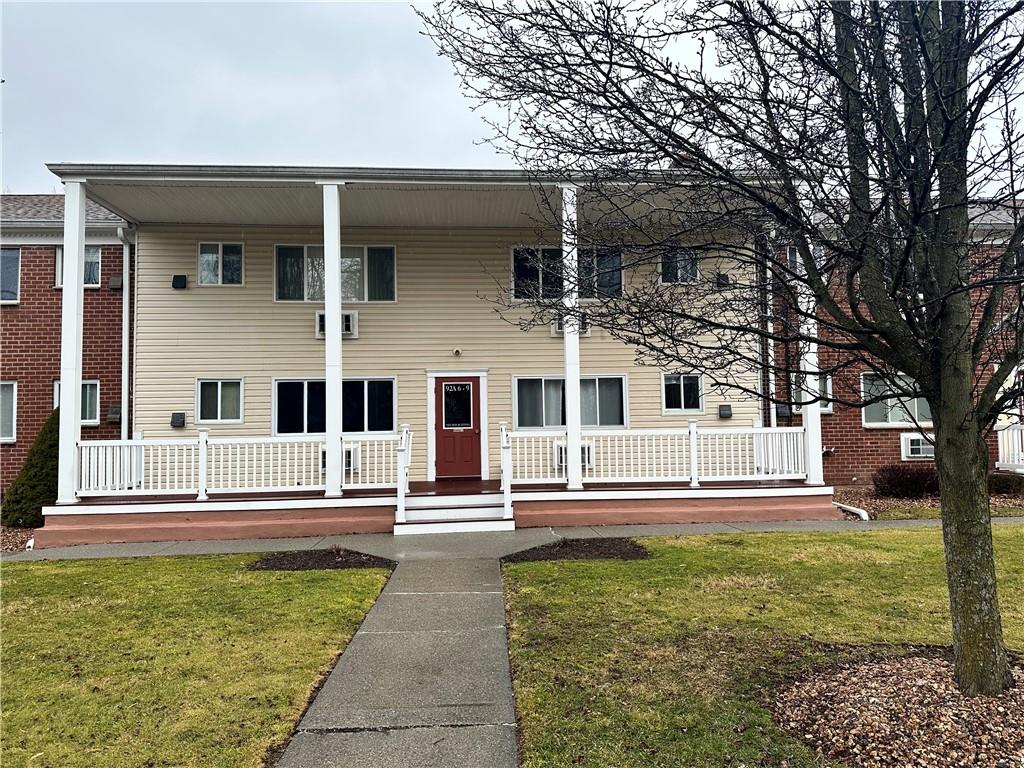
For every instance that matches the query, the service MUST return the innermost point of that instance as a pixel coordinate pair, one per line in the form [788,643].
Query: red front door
[457,426]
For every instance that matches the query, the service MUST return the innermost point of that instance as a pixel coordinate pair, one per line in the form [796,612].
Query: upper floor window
[91,269]
[221,264]
[8,411]
[683,392]
[600,271]
[540,401]
[10,275]
[893,409]
[680,265]
[540,273]
[90,401]
[800,394]
[367,273]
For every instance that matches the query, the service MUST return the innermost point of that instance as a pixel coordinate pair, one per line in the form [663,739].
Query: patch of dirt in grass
[319,560]
[903,713]
[14,539]
[582,549]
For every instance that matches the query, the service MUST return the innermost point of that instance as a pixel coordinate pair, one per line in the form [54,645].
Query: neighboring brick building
[33,228]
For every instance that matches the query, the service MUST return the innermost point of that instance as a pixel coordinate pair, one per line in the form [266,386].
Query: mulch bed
[14,539]
[865,499]
[582,549]
[319,560]
[904,713]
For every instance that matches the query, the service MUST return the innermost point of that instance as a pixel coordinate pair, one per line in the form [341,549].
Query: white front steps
[455,513]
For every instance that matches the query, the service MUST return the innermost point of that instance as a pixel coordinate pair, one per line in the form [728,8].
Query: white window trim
[561,377]
[14,413]
[366,404]
[85,423]
[220,264]
[58,268]
[17,299]
[661,268]
[905,439]
[444,405]
[344,301]
[219,382]
[887,424]
[540,284]
[681,411]
[825,406]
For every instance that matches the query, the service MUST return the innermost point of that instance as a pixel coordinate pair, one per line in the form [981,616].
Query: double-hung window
[682,393]
[799,392]
[90,401]
[890,408]
[8,411]
[679,265]
[367,405]
[10,275]
[90,269]
[221,263]
[219,400]
[540,402]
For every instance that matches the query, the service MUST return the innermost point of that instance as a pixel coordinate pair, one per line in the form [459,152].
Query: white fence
[202,465]
[1011,448]
[692,455]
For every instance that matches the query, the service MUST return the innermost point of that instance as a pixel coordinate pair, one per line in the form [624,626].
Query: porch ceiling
[292,196]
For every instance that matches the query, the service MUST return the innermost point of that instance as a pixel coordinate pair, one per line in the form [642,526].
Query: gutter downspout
[852,510]
[125,235]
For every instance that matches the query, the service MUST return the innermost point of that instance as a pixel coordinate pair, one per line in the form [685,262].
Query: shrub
[36,484]
[906,481]
[1006,484]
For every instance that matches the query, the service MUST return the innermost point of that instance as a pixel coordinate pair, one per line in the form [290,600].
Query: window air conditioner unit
[558,327]
[586,455]
[351,458]
[349,325]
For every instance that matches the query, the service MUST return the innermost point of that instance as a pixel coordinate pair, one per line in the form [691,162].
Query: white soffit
[256,203]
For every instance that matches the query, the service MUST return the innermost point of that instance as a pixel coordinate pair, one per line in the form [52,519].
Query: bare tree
[879,140]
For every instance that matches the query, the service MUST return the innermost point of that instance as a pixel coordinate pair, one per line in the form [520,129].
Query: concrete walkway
[456,545]
[424,682]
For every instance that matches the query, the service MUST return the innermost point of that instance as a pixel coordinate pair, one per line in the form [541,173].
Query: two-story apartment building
[31,288]
[317,350]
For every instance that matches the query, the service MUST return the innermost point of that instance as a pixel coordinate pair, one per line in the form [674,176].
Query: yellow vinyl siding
[443,279]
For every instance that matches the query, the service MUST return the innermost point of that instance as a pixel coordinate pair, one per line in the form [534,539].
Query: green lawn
[176,661]
[933,513]
[669,661]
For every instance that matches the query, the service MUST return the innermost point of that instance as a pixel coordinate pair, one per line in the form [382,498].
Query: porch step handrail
[404,452]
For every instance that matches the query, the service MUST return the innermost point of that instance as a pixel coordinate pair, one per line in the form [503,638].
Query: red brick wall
[30,349]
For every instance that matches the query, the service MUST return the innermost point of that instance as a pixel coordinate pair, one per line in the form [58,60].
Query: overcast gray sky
[286,83]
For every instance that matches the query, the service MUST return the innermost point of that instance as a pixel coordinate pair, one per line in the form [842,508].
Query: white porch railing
[1011,448]
[692,455]
[203,465]
[404,454]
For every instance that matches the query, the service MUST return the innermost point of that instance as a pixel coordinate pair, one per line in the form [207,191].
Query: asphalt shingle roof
[49,209]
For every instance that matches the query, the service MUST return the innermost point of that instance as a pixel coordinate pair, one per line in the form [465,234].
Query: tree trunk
[980,656]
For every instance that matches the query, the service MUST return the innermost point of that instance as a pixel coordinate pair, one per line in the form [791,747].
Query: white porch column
[332,336]
[811,412]
[571,341]
[72,295]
